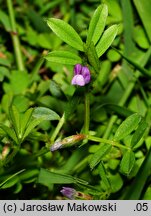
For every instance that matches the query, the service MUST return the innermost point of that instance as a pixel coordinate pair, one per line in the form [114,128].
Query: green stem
[59,126]
[53,137]
[41,152]
[15,38]
[102,140]
[87,113]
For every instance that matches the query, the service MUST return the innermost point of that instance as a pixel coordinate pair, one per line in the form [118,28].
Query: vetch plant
[98,40]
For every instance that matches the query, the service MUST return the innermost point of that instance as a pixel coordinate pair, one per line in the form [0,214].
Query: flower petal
[78,80]
[86,74]
[77,69]
[68,192]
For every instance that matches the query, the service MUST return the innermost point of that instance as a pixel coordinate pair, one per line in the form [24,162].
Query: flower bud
[67,142]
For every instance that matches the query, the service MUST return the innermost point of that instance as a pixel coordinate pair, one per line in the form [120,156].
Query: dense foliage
[75,105]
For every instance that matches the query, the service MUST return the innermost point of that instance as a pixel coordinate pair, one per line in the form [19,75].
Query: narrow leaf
[56,90]
[140,180]
[97,157]
[103,175]
[144,11]
[97,24]
[45,113]
[66,33]
[9,179]
[4,18]
[31,126]
[63,57]
[15,118]
[127,162]
[10,133]
[106,40]
[92,57]
[127,126]
[118,110]
[134,64]
[139,132]
[26,119]
[47,177]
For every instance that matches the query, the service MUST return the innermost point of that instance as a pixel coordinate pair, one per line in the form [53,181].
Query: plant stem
[59,126]
[41,152]
[53,137]
[102,140]
[87,113]
[15,38]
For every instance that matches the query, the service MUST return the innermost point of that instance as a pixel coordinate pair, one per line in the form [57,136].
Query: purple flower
[68,192]
[82,75]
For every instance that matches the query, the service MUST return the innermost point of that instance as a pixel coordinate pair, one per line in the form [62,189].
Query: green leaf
[15,119]
[136,65]
[127,126]
[97,157]
[63,57]
[4,72]
[5,62]
[140,37]
[144,11]
[92,57]
[10,133]
[106,40]
[137,186]
[116,182]
[97,24]
[11,180]
[21,102]
[147,195]
[117,110]
[4,18]
[45,113]
[29,175]
[26,117]
[56,90]
[73,162]
[66,33]
[139,132]
[128,22]
[103,175]
[127,162]
[47,177]
[31,126]
[36,20]
[19,81]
